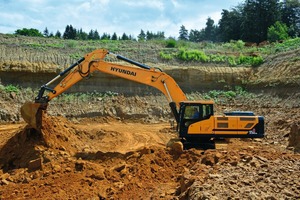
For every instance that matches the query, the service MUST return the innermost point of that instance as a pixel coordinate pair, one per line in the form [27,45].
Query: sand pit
[104,158]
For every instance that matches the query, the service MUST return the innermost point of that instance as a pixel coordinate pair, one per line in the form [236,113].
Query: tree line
[252,21]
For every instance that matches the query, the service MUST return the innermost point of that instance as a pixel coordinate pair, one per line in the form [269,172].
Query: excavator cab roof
[197,102]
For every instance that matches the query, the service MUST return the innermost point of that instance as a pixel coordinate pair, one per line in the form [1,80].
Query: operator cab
[191,112]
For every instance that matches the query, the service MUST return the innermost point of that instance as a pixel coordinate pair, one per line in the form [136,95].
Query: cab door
[197,119]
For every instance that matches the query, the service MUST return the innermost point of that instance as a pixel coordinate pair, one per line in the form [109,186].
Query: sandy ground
[106,158]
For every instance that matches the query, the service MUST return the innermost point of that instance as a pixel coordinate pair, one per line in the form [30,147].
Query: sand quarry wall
[31,68]
[29,64]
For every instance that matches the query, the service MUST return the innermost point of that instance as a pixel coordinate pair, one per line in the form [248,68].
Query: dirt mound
[246,172]
[106,158]
[58,133]
[20,149]
[28,144]
[61,162]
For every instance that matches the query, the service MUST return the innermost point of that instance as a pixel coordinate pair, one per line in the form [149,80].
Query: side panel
[203,127]
[246,124]
[234,125]
[225,125]
[228,126]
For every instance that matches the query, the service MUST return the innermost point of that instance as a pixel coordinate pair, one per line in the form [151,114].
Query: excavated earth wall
[31,68]
[32,62]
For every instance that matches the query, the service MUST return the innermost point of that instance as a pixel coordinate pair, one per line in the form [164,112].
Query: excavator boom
[94,61]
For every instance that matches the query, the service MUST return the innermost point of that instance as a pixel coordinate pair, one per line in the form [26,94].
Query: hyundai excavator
[196,121]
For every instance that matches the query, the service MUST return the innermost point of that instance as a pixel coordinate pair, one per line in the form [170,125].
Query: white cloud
[155,4]
[11,16]
[175,3]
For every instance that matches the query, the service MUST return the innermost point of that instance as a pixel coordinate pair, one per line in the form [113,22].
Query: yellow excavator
[196,121]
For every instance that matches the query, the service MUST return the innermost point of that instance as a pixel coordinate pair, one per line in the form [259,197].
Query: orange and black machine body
[206,125]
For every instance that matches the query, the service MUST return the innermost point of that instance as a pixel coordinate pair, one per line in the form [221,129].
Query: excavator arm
[95,61]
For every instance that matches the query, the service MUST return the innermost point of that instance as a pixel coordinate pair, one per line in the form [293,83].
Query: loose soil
[117,158]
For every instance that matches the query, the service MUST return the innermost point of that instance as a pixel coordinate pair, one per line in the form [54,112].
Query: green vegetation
[195,55]
[284,46]
[9,88]
[192,55]
[170,43]
[29,32]
[278,32]
[229,94]
[165,56]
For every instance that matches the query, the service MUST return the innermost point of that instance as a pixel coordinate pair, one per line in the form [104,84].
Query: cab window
[191,112]
[206,111]
[203,111]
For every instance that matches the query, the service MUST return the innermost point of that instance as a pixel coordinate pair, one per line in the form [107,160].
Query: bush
[170,43]
[217,94]
[231,60]
[250,60]
[192,55]
[257,61]
[165,56]
[29,32]
[240,44]
[217,58]
[230,94]
[279,31]
[10,88]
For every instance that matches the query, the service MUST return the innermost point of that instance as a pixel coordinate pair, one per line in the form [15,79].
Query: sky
[111,16]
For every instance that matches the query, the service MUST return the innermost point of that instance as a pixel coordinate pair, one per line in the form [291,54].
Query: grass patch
[238,91]
[9,88]
[195,55]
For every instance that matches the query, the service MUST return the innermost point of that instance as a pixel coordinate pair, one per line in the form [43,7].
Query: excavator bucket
[32,114]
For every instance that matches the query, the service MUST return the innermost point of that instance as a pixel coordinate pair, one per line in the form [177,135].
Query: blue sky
[109,16]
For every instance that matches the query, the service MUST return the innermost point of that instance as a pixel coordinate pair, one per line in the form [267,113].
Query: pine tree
[230,24]
[96,35]
[142,36]
[124,37]
[114,36]
[210,30]
[105,36]
[70,32]
[183,33]
[58,34]
[46,32]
